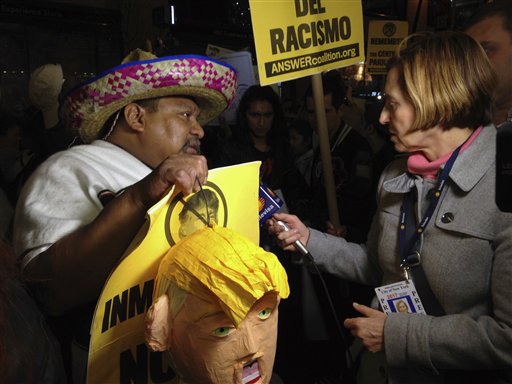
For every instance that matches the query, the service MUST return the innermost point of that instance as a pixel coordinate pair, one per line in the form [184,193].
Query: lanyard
[409,256]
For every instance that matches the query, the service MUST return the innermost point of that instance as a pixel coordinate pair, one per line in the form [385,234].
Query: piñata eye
[265,313]
[223,331]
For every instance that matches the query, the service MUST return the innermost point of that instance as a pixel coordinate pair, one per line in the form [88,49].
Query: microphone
[297,244]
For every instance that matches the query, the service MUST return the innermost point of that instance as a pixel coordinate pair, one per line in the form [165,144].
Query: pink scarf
[418,164]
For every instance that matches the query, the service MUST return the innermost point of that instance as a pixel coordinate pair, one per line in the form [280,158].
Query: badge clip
[412,260]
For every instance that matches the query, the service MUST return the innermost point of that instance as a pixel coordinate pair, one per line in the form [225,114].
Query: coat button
[447,217]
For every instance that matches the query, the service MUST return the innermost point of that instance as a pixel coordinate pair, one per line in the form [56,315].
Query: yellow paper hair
[219,261]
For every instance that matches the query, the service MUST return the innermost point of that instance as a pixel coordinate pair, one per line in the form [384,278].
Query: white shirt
[63,194]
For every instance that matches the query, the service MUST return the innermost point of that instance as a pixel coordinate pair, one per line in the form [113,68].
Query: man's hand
[181,171]
[369,329]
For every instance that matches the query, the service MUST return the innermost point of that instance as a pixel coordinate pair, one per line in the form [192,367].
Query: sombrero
[143,76]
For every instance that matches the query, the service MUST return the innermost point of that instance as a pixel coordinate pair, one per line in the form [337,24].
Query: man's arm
[74,269]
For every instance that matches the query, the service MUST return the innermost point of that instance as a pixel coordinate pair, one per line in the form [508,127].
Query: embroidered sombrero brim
[211,83]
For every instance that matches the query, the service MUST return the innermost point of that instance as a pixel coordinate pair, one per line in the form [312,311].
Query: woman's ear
[157,325]
[134,116]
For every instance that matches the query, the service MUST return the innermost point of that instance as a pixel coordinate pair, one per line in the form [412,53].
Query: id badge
[400,297]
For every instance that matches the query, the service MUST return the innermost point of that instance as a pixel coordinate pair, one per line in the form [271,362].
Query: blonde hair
[447,77]
[216,263]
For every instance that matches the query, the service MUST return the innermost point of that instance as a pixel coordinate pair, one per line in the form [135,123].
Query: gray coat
[467,257]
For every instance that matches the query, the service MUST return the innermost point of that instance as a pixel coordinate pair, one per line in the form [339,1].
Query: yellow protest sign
[117,352]
[383,39]
[297,38]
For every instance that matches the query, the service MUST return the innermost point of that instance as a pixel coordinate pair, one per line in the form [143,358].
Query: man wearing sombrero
[77,214]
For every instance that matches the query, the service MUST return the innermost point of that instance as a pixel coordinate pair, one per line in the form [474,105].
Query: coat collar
[469,168]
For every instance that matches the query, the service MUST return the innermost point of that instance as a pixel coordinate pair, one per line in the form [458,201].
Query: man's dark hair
[333,85]
[501,8]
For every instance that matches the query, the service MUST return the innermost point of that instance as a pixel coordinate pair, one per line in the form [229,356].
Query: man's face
[191,222]
[332,114]
[172,129]
[260,117]
[207,348]
[497,43]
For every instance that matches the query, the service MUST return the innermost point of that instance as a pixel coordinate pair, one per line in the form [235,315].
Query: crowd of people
[414,183]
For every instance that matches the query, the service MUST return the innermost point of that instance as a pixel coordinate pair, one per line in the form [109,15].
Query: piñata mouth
[251,373]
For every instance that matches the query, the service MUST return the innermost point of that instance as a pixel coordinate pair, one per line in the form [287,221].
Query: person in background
[436,225]
[491,26]
[16,162]
[11,161]
[351,158]
[80,210]
[364,119]
[29,353]
[260,135]
[46,133]
[300,139]
[290,109]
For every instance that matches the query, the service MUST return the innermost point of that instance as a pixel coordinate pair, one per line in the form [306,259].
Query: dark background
[88,37]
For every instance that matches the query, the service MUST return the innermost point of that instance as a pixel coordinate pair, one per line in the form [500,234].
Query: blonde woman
[439,92]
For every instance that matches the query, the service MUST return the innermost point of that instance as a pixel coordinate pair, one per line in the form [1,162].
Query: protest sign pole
[325,149]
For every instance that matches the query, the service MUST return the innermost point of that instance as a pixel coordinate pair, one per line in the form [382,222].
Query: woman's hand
[296,230]
[369,329]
